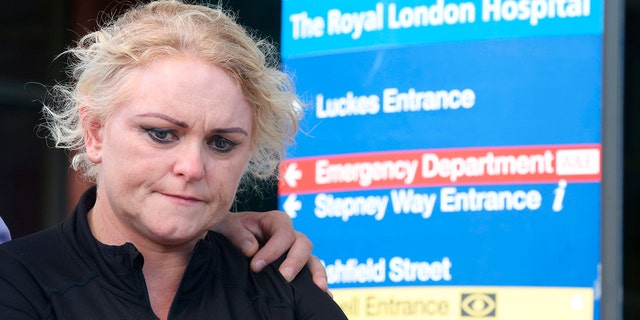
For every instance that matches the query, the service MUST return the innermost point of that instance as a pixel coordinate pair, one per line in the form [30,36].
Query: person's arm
[4,232]
[265,236]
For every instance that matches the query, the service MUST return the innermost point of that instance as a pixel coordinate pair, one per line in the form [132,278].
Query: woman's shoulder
[28,267]
[31,248]
[301,296]
[235,271]
[234,264]
[42,258]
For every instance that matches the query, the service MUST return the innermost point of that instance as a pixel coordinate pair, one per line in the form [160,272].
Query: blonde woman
[171,109]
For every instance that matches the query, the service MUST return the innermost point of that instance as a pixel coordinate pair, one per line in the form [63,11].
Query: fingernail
[260,264]
[287,273]
[246,246]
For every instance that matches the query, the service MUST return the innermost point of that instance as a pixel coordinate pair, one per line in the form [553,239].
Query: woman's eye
[222,144]
[161,135]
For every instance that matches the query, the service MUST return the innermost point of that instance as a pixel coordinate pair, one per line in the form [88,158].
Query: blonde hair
[100,63]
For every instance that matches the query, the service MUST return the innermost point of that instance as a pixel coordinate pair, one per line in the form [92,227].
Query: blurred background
[37,188]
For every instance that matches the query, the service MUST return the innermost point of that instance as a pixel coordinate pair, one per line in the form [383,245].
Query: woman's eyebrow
[178,123]
[183,124]
[230,130]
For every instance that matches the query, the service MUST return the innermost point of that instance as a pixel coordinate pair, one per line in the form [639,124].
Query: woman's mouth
[182,198]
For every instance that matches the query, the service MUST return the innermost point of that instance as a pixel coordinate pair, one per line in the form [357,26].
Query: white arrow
[292,175]
[292,205]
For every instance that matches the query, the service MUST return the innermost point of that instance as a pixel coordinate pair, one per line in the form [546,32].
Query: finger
[319,274]
[276,226]
[297,257]
[240,236]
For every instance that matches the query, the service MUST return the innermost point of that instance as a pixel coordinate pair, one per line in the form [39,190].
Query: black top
[65,273]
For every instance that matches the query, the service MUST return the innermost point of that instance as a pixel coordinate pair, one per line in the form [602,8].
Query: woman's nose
[190,161]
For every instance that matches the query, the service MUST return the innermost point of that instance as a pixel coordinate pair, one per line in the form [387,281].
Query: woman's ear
[92,131]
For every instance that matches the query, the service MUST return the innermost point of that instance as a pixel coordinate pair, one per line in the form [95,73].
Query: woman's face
[172,155]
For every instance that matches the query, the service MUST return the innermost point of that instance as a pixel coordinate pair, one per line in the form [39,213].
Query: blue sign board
[449,161]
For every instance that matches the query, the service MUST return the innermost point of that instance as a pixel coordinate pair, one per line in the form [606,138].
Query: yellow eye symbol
[478,305]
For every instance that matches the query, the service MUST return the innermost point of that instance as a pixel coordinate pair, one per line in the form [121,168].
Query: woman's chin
[176,236]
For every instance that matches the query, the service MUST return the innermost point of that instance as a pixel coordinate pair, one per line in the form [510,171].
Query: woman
[171,105]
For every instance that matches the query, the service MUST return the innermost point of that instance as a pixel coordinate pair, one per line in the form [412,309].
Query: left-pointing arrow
[292,175]
[292,205]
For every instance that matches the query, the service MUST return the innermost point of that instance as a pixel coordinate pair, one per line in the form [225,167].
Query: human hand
[274,230]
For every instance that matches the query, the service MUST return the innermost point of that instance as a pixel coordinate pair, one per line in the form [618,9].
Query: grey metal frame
[612,161]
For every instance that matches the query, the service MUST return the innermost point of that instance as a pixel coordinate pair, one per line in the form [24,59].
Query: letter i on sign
[559,195]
